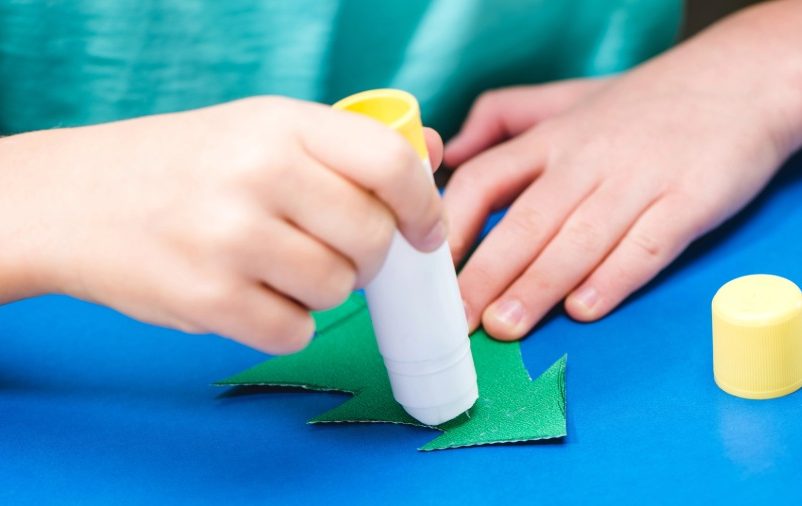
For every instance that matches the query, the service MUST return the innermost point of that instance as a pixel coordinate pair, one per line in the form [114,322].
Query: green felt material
[344,357]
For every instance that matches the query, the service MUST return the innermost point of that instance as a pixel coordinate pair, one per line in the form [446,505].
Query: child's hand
[235,219]
[610,180]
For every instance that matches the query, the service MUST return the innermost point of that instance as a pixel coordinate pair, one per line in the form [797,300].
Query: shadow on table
[235,392]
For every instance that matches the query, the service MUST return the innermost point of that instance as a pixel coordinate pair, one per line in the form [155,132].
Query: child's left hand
[610,180]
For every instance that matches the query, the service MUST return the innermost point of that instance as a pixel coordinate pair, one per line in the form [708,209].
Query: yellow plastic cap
[397,109]
[757,337]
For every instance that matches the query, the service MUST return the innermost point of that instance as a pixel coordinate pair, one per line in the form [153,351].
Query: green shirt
[76,62]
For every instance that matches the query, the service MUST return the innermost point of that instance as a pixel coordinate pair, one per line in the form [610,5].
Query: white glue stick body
[414,300]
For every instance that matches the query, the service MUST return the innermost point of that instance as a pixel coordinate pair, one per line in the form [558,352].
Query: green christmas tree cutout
[344,357]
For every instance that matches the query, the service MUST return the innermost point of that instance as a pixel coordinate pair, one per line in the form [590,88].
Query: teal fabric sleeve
[77,62]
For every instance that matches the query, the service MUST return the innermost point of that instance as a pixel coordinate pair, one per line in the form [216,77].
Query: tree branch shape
[344,357]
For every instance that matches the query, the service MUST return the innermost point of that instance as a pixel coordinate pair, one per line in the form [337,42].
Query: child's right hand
[235,219]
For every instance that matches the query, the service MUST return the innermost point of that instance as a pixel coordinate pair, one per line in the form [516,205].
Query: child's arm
[235,219]
[611,179]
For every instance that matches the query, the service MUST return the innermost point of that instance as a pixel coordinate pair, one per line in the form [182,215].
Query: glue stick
[414,301]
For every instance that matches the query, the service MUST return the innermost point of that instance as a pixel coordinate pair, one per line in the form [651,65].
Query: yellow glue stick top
[757,337]
[397,109]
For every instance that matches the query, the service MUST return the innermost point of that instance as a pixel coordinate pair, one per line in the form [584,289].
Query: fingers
[486,183]
[298,266]
[379,160]
[434,145]
[656,239]
[518,239]
[582,242]
[255,316]
[340,215]
[501,114]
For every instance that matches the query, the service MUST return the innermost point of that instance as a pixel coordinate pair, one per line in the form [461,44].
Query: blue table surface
[98,409]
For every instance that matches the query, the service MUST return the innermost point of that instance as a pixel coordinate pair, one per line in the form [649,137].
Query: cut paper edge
[545,420]
[557,368]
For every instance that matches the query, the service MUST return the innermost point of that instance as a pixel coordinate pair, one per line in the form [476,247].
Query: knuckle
[259,165]
[482,276]
[247,165]
[526,221]
[398,160]
[337,282]
[538,282]
[291,332]
[213,298]
[583,235]
[705,211]
[648,246]
[620,276]
[378,232]
[277,328]
[230,230]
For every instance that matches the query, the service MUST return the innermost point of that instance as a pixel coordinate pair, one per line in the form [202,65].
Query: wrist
[764,42]
[22,270]
[747,68]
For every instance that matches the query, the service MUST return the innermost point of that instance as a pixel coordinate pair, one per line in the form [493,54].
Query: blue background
[97,408]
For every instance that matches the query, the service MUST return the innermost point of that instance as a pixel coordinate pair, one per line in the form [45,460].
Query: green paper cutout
[344,357]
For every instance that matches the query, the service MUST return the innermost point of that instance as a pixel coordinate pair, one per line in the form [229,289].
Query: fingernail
[509,313]
[587,297]
[436,236]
